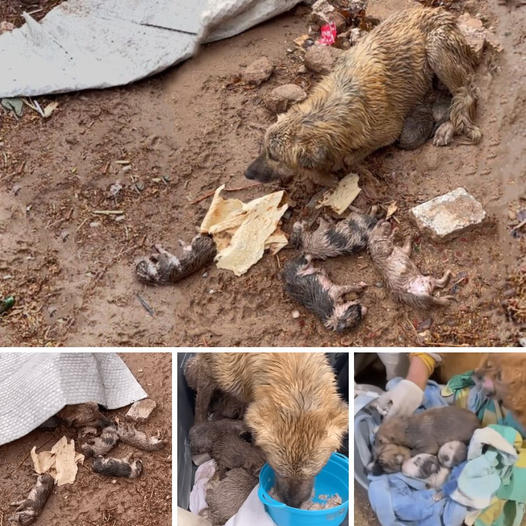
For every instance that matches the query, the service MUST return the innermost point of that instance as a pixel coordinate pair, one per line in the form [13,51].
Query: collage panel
[439,438]
[263,438]
[85,438]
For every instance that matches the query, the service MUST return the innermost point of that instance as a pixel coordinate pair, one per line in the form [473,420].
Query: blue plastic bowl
[333,478]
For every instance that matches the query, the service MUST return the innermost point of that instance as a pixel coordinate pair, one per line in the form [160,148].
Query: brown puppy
[427,431]
[361,105]
[294,411]
[503,377]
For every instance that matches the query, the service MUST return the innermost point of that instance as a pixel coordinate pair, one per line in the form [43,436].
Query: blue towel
[403,501]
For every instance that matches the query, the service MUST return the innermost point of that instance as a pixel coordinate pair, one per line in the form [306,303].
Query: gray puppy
[118,467]
[163,267]
[315,291]
[400,274]
[330,240]
[29,509]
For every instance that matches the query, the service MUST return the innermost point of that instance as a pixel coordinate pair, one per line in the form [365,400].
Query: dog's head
[298,436]
[502,376]
[452,453]
[295,143]
[346,316]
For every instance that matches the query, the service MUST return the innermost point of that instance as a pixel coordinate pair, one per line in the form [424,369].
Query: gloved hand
[402,400]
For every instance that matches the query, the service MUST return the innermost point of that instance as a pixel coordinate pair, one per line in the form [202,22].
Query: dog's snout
[259,170]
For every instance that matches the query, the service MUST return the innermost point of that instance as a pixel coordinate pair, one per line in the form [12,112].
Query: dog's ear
[313,157]
[338,422]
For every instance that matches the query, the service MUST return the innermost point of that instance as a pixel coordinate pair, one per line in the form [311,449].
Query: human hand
[402,400]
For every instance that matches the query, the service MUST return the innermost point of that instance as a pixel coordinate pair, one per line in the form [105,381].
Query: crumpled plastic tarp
[84,44]
[36,386]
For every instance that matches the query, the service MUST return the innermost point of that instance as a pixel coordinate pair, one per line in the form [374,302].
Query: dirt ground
[95,500]
[195,127]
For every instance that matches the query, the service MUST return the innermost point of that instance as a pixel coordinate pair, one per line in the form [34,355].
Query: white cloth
[36,386]
[251,512]
[198,494]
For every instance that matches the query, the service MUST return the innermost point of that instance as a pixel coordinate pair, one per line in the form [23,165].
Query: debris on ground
[281,98]
[29,509]
[140,411]
[321,59]
[515,304]
[258,72]
[449,215]
[324,14]
[6,27]
[242,231]
[15,104]
[343,195]
[61,462]
[6,304]
[476,35]
[328,35]
[118,467]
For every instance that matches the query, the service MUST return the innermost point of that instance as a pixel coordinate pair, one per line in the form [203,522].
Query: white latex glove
[402,400]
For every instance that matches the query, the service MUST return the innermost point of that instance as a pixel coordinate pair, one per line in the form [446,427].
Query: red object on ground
[328,34]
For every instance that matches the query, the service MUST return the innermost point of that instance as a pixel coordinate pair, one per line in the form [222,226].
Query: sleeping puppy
[427,468]
[503,378]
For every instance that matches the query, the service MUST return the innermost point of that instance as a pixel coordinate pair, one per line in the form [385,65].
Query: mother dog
[361,106]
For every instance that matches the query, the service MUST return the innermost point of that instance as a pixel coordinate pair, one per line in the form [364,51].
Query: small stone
[120,218]
[258,72]
[115,190]
[301,70]
[140,411]
[296,314]
[379,284]
[321,59]
[95,224]
[355,34]
[322,13]
[205,274]
[16,189]
[448,215]
[474,33]
[281,98]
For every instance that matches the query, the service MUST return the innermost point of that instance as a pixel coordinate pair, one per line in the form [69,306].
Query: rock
[322,13]
[6,26]
[474,33]
[321,59]
[448,215]
[258,72]
[140,411]
[296,314]
[281,98]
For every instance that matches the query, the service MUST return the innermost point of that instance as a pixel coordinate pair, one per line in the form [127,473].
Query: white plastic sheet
[84,44]
[36,386]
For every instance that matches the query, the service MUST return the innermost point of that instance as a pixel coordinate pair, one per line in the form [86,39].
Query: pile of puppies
[89,422]
[424,445]
[315,291]
[238,461]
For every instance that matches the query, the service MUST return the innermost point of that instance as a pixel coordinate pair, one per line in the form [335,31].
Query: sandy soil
[93,499]
[195,127]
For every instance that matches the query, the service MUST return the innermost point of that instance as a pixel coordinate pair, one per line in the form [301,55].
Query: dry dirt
[195,127]
[95,500]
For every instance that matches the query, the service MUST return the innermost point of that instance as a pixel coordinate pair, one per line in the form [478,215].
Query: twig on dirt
[82,224]
[212,192]
[122,161]
[108,212]
[519,226]
[107,167]
[147,307]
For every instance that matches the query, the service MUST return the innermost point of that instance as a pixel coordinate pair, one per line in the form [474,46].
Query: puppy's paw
[444,134]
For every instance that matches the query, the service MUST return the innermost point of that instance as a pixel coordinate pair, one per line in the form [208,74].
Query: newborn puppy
[29,509]
[203,436]
[389,458]
[101,445]
[427,468]
[427,431]
[83,415]
[452,453]
[330,240]
[400,274]
[225,497]
[133,437]
[230,451]
[315,291]
[163,267]
[224,405]
[118,467]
